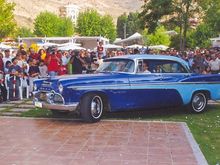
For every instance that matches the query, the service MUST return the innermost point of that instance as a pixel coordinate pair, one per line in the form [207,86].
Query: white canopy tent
[69,43]
[158,47]
[112,46]
[47,44]
[135,46]
[3,46]
[71,46]
[135,38]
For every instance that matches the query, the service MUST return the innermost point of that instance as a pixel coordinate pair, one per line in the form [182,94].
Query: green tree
[24,32]
[91,23]
[185,9]
[128,24]
[170,12]
[153,11]
[133,23]
[121,25]
[211,10]
[175,39]
[159,37]
[201,36]
[66,27]
[49,24]
[108,28]
[7,22]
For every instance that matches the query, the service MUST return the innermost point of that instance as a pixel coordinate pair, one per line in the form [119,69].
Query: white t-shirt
[5,59]
[214,64]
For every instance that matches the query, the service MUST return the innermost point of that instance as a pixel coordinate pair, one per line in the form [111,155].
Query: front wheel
[91,108]
[198,103]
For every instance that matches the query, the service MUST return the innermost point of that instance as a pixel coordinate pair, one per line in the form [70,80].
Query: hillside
[27,10]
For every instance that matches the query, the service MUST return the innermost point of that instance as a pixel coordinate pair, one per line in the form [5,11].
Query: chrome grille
[49,97]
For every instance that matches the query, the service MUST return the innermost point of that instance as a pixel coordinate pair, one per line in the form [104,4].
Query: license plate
[38,104]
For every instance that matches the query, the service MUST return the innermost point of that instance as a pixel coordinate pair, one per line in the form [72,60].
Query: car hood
[99,78]
[48,84]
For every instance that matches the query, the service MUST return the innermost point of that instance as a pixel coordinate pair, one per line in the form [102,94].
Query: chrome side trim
[127,86]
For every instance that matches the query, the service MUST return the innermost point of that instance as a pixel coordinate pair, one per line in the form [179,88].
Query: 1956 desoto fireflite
[122,83]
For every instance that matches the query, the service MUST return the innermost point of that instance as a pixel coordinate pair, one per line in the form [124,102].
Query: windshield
[117,65]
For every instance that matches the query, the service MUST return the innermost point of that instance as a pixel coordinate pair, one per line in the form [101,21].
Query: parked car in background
[128,83]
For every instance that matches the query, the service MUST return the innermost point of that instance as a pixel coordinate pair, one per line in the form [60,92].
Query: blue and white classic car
[128,82]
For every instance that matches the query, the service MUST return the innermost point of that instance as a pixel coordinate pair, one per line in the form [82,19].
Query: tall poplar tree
[168,12]
[7,22]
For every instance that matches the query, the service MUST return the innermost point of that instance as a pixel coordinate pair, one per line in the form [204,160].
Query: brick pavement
[69,142]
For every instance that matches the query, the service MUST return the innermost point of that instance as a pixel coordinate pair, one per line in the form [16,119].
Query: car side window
[160,66]
[172,67]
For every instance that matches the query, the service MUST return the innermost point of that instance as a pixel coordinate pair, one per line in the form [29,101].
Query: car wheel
[91,108]
[59,113]
[198,103]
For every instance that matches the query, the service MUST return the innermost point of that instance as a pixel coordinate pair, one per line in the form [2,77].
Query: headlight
[35,87]
[60,88]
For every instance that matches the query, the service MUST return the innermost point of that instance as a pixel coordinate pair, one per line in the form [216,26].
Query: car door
[154,90]
[173,73]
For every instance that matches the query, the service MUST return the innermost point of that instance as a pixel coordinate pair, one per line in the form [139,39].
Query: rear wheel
[91,107]
[198,102]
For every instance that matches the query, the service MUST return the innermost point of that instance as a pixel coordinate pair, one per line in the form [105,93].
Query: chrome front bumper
[70,107]
[52,100]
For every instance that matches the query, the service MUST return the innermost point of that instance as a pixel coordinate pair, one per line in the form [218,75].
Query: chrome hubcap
[199,102]
[96,107]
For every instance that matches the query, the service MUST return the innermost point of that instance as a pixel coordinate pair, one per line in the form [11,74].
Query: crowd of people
[22,67]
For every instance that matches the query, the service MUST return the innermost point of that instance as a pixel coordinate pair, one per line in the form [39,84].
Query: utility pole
[125,31]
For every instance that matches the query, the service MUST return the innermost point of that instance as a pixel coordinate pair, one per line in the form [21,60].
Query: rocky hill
[27,10]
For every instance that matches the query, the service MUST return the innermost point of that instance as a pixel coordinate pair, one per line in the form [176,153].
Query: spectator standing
[214,64]
[3,91]
[43,69]
[14,81]
[1,62]
[7,56]
[53,62]
[77,62]
[19,59]
[25,65]
[65,57]
[7,66]
[88,60]
[42,54]
[190,58]
[99,61]
[33,55]
[198,62]
[34,73]
[100,49]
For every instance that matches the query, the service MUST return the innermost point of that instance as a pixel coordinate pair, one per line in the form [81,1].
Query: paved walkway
[15,108]
[68,142]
